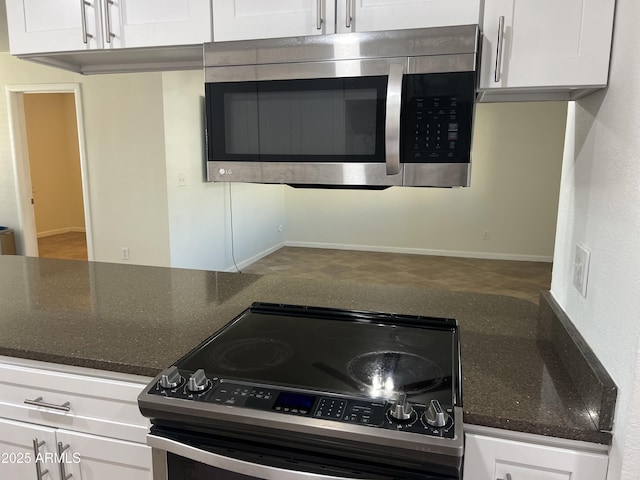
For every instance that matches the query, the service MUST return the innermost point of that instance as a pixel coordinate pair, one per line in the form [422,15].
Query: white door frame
[20,152]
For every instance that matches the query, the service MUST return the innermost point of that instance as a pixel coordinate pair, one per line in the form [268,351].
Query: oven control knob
[170,378]
[401,410]
[435,415]
[198,381]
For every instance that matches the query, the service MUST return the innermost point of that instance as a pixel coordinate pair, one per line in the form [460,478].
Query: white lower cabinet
[71,423]
[98,458]
[491,458]
[18,457]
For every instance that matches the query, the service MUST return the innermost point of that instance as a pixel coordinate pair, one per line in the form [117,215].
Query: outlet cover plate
[581,268]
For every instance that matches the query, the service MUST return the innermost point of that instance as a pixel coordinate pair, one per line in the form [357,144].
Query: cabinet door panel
[547,43]
[151,23]
[489,458]
[99,458]
[43,26]
[17,456]
[251,19]
[373,15]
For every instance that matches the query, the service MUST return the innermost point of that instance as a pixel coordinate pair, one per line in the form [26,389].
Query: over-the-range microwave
[347,110]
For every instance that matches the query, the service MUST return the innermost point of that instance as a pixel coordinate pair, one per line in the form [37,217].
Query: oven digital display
[294,402]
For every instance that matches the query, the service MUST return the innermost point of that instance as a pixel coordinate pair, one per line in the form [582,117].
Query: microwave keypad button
[453,127]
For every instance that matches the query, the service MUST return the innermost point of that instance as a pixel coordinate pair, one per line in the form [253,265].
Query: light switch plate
[581,268]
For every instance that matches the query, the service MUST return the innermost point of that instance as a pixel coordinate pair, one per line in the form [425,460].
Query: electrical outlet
[124,253]
[485,235]
[581,268]
[280,227]
[182,180]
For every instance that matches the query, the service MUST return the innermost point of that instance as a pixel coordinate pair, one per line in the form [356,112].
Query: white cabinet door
[154,23]
[17,451]
[251,19]
[89,457]
[489,458]
[39,26]
[372,15]
[45,26]
[546,43]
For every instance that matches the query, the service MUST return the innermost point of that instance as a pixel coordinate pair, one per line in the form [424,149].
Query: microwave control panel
[438,111]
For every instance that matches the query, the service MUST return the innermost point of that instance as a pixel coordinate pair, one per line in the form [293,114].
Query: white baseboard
[245,263]
[58,231]
[423,251]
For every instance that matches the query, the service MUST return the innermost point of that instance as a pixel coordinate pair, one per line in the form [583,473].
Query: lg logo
[225,171]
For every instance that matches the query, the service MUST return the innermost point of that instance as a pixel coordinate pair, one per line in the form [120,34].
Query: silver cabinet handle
[36,450]
[107,14]
[392,121]
[63,472]
[499,49]
[506,477]
[349,15]
[65,407]
[83,17]
[319,19]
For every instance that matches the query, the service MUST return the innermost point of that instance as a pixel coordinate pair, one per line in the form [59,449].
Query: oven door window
[321,120]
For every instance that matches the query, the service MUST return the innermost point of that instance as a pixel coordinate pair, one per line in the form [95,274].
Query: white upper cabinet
[45,26]
[37,26]
[250,19]
[372,15]
[546,44]
[253,19]
[151,23]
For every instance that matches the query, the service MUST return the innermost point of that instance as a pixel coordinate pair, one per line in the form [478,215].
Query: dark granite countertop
[137,319]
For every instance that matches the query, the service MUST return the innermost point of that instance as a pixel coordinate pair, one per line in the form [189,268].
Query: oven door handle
[232,464]
[392,121]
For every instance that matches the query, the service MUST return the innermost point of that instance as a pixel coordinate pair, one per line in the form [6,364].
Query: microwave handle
[392,122]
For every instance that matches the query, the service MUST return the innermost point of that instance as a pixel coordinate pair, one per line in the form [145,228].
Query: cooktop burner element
[392,371]
[291,374]
[250,354]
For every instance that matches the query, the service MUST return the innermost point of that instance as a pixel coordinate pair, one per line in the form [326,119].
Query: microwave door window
[314,120]
[325,123]
[241,129]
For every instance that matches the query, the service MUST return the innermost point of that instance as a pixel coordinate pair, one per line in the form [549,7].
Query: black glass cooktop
[337,351]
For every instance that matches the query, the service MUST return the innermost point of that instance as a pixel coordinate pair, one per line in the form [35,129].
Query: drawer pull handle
[506,477]
[36,451]
[63,472]
[65,407]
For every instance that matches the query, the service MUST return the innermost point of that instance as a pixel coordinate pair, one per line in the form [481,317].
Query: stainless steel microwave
[370,110]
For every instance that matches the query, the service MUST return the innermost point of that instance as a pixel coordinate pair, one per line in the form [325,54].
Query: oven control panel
[433,419]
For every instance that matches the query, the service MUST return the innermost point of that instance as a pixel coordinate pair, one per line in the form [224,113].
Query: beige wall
[54,162]
[515,178]
[600,209]
[124,133]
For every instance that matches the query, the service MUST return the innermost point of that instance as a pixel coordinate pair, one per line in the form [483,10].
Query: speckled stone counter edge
[589,376]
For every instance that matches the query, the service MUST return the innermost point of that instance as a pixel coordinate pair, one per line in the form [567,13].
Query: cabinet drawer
[100,406]
[489,458]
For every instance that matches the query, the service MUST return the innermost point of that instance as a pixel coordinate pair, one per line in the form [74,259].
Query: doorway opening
[48,143]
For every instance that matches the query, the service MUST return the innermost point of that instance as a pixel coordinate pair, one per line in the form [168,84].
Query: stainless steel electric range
[291,392]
